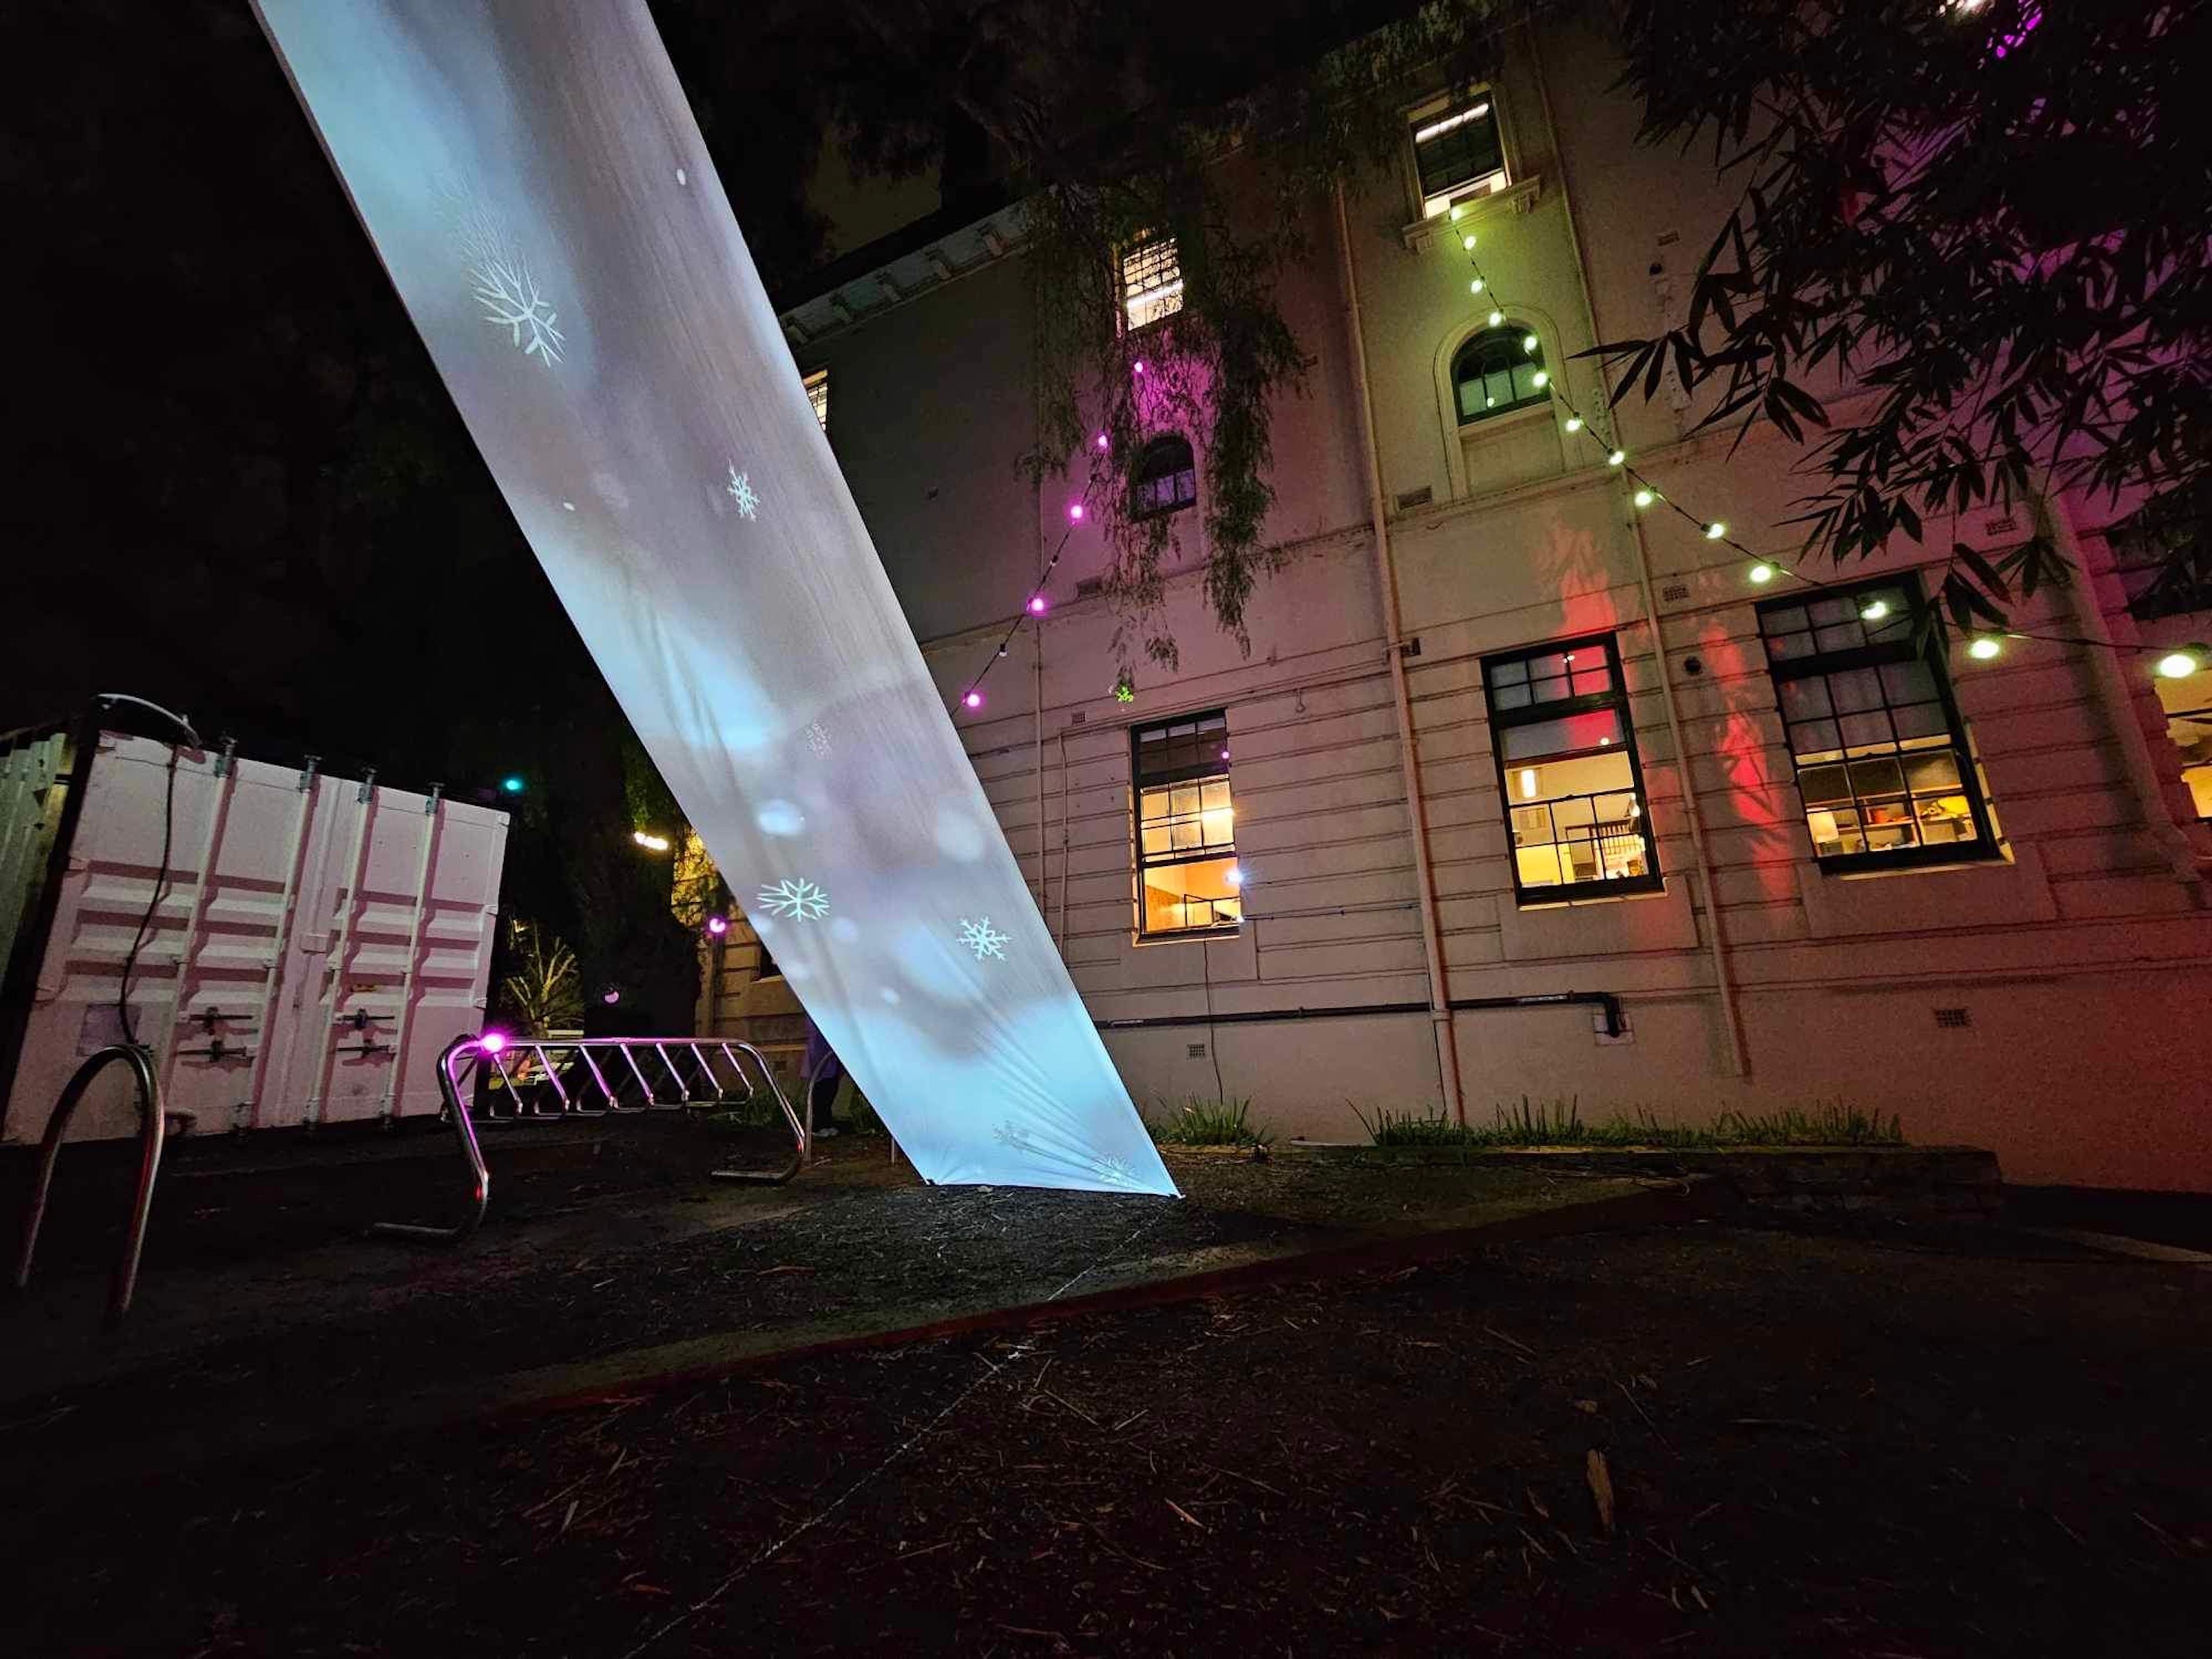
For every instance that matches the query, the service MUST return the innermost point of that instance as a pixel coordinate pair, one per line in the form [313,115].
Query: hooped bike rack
[703,1086]
[153,1127]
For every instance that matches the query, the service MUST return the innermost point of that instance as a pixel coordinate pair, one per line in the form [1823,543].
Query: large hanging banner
[533,179]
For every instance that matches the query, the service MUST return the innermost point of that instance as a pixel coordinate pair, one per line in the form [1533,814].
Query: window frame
[1510,335]
[1196,773]
[1442,106]
[1138,478]
[1654,880]
[1171,290]
[813,379]
[1922,644]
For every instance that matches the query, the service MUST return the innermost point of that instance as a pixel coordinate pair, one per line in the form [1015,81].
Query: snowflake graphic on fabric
[1113,1170]
[800,900]
[818,738]
[983,940]
[503,285]
[1014,1137]
[742,493]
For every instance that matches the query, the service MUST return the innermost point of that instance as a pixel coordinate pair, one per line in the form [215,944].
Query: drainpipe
[1386,583]
[1731,1023]
[2189,860]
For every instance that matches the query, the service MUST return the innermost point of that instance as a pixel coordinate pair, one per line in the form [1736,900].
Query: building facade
[1523,787]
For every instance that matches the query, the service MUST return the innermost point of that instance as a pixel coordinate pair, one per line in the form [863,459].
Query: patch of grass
[1560,1123]
[1195,1120]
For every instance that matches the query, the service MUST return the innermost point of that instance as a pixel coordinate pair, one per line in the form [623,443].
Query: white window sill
[1519,198]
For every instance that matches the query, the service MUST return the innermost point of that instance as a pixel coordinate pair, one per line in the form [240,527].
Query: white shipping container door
[310,924]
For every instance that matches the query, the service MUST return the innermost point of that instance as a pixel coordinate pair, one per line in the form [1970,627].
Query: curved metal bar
[464,1131]
[803,1141]
[153,1128]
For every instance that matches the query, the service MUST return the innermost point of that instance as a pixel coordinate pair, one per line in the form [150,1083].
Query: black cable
[153,904]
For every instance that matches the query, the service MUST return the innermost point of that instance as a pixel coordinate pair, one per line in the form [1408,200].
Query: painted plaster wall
[2082,960]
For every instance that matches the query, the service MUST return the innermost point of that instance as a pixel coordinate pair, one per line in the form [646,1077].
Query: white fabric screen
[536,187]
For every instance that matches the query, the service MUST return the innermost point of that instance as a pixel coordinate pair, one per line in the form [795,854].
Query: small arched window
[1498,370]
[1166,479]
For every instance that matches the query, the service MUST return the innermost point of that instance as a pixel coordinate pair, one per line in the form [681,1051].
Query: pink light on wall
[1075,512]
[1037,604]
[973,700]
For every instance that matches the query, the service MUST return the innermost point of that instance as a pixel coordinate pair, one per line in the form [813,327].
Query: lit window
[1457,152]
[1151,282]
[1166,480]
[1881,755]
[818,393]
[1566,762]
[2188,704]
[1496,372]
[1186,828]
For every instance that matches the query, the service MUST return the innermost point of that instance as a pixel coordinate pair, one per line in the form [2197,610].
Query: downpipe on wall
[1386,582]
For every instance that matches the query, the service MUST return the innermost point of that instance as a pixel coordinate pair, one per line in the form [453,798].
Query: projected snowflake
[501,279]
[742,493]
[983,940]
[818,738]
[1014,1137]
[800,900]
[1113,1169]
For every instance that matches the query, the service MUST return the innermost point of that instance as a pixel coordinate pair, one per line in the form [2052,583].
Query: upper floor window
[1166,480]
[1457,152]
[1497,370]
[1186,828]
[818,393]
[2187,700]
[1566,763]
[1151,282]
[1881,755]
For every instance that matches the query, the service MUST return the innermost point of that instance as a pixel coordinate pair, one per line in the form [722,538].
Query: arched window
[1498,370]
[1166,480]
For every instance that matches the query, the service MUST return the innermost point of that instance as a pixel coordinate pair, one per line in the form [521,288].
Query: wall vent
[1410,647]
[1198,1051]
[1675,590]
[1954,1019]
[1089,587]
[1414,498]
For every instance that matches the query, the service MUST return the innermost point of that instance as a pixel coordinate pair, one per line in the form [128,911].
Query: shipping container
[317,940]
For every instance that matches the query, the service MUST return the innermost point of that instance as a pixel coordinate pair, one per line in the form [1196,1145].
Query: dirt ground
[1806,1445]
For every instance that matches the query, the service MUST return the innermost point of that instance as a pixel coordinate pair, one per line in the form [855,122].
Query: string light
[1540,380]
[1762,573]
[1646,495]
[974,699]
[1467,241]
[1530,343]
[1475,286]
[1496,318]
[1983,646]
[1715,531]
[1574,422]
[2181,664]
[1874,611]
[1616,458]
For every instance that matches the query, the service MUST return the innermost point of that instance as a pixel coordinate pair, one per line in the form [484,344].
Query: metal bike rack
[152,1130]
[576,1079]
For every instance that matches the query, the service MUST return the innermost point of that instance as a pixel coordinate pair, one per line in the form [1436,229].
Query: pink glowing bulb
[974,699]
[492,1042]
[1140,365]
[1224,753]
[718,925]
[1037,604]
[1075,512]
[1102,440]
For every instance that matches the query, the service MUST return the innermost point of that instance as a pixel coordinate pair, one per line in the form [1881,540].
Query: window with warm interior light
[1881,755]
[2188,705]
[1567,765]
[1166,479]
[818,393]
[1457,152]
[1495,372]
[1151,282]
[1187,869]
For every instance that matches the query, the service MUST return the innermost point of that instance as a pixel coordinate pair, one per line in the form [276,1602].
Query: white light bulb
[1574,422]
[1984,646]
[1616,458]
[1530,343]
[1467,241]
[1762,573]
[1496,318]
[1874,611]
[1539,379]
[1715,531]
[1646,497]
[2180,664]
